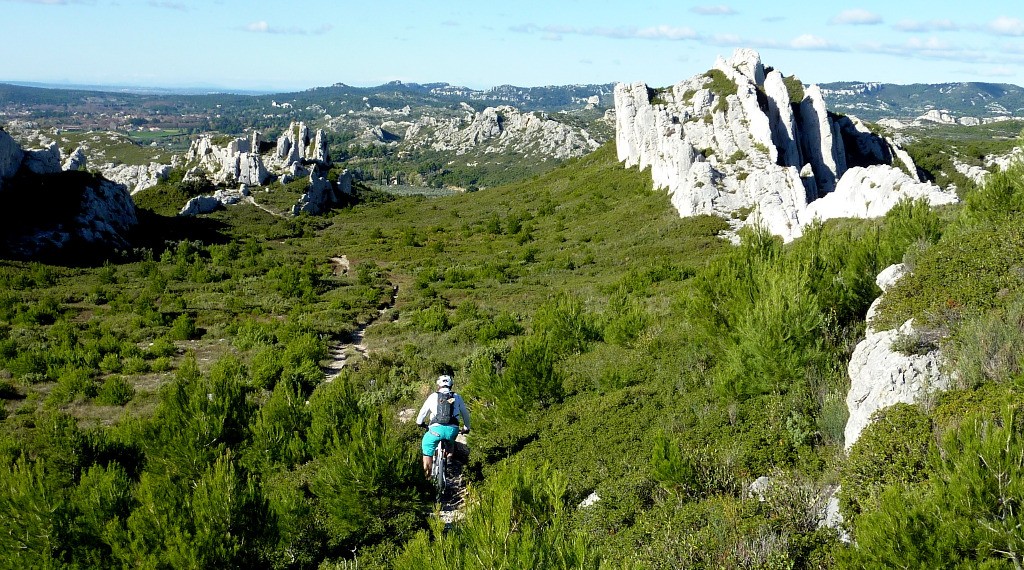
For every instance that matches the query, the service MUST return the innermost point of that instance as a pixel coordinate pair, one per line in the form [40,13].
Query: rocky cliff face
[738,139]
[46,209]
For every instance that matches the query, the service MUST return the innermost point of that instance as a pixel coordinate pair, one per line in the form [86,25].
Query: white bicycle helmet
[444,381]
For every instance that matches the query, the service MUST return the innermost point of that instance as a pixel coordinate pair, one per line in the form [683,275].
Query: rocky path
[453,502]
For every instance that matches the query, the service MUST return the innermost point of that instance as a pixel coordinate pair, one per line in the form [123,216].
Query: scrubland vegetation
[166,408]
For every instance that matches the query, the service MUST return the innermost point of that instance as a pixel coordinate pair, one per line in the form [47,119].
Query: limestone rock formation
[11,156]
[322,194]
[136,177]
[107,213]
[254,162]
[43,161]
[737,139]
[494,130]
[209,203]
[881,376]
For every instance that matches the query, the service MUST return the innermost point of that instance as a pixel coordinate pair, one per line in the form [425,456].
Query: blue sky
[279,46]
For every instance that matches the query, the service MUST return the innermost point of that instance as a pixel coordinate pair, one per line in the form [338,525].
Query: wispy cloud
[1007,26]
[262,27]
[169,5]
[812,42]
[51,2]
[930,48]
[929,26]
[720,10]
[856,17]
[664,32]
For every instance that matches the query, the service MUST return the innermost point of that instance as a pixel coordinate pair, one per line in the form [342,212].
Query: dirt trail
[340,352]
[253,201]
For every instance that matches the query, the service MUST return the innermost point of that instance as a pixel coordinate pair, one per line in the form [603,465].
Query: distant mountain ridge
[875,101]
[551,98]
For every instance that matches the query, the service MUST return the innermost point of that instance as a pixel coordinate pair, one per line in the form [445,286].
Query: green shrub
[116,391]
[371,485]
[161,347]
[183,328]
[72,383]
[135,365]
[891,450]
[966,514]
[502,326]
[989,348]
[432,319]
[111,363]
[565,325]
[521,520]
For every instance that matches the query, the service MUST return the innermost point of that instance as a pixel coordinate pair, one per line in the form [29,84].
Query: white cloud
[929,26]
[663,32]
[168,5]
[720,10]
[856,17]
[667,33]
[811,42]
[1007,26]
[262,27]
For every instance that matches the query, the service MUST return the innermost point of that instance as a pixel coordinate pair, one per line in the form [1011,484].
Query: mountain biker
[440,428]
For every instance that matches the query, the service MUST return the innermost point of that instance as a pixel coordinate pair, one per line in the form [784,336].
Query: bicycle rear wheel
[438,471]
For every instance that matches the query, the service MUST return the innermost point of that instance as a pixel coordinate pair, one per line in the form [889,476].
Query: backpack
[445,409]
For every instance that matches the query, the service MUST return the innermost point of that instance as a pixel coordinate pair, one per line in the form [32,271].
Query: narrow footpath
[340,352]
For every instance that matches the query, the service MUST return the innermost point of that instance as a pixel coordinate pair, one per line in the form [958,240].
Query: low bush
[892,450]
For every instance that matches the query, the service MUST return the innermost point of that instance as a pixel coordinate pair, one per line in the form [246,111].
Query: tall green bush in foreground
[966,514]
[520,520]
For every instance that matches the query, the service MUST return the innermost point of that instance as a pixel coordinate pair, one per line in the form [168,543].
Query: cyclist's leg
[428,446]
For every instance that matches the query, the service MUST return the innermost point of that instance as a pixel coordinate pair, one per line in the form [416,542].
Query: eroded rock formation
[737,139]
[254,162]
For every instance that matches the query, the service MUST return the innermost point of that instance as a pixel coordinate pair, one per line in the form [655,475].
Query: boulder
[200,205]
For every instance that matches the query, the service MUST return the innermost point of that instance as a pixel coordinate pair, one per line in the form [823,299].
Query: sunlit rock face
[755,147]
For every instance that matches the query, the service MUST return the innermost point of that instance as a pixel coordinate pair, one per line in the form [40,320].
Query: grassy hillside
[167,408]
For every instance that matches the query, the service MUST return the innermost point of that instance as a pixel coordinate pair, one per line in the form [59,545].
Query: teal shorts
[434,435]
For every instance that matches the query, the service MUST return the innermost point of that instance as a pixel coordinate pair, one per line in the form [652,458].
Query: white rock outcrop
[76,160]
[321,194]
[254,162]
[43,161]
[880,376]
[11,156]
[107,213]
[494,130]
[136,177]
[733,141]
[200,205]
